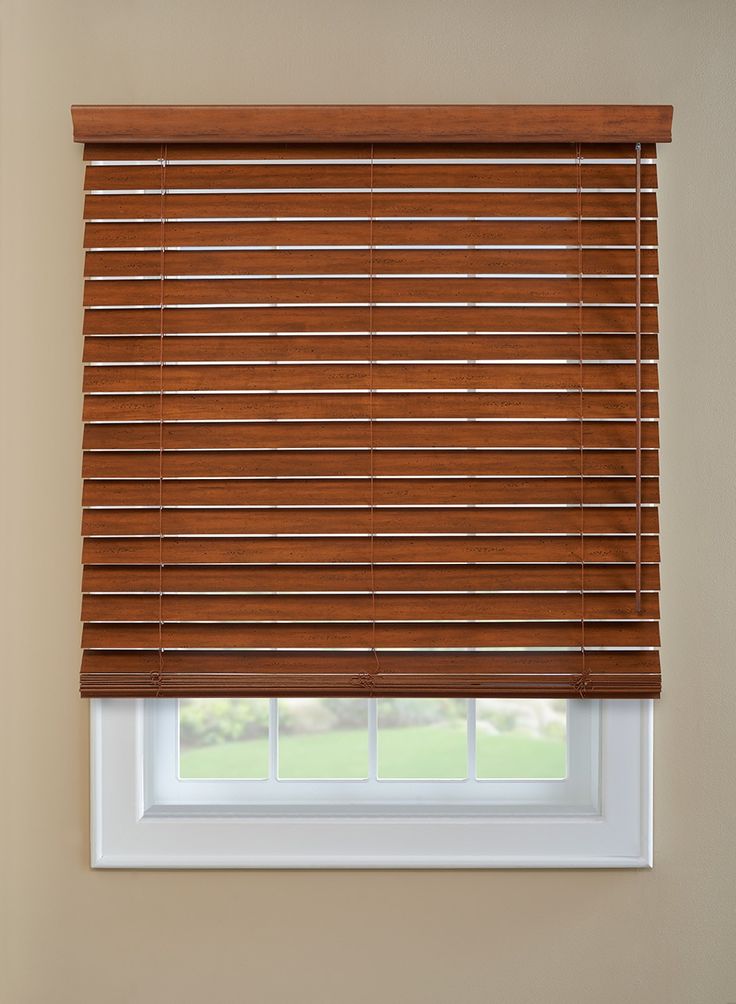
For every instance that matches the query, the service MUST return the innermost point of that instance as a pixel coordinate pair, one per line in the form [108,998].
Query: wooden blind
[370,417]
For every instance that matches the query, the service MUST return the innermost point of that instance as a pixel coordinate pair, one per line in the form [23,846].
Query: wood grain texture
[330,607]
[295,464]
[335,261]
[350,405]
[417,578]
[384,233]
[338,635]
[237,320]
[309,550]
[194,292]
[337,434]
[371,123]
[264,477]
[180,151]
[394,662]
[327,522]
[344,673]
[349,348]
[232,205]
[456,684]
[558,490]
[330,175]
[457,376]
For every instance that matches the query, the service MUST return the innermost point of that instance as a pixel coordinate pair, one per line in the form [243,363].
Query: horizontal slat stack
[333,404]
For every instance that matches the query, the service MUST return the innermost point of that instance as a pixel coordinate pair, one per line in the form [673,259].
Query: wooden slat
[221,320]
[192,292]
[238,407]
[305,672]
[233,205]
[310,435]
[304,685]
[306,550]
[326,522]
[336,607]
[330,175]
[335,261]
[393,663]
[338,635]
[358,491]
[371,123]
[328,233]
[347,348]
[360,376]
[357,463]
[120,153]
[358,578]
[364,685]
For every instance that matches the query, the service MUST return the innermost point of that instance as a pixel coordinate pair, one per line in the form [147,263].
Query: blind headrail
[372,123]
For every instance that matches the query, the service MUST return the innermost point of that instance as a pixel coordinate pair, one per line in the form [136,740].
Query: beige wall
[661,937]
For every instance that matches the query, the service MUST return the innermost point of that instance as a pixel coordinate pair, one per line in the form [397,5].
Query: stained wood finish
[418,578]
[328,607]
[352,405]
[194,292]
[371,123]
[326,522]
[395,662]
[500,674]
[332,261]
[358,376]
[328,175]
[234,205]
[308,550]
[353,348]
[357,463]
[321,435]
[236,320]
[177,152]
[337,635]
[539,490]
[327,233]
[315,390]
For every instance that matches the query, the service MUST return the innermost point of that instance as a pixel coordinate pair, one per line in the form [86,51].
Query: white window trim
[612,829]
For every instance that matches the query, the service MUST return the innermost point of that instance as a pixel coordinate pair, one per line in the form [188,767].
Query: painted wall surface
[665,936]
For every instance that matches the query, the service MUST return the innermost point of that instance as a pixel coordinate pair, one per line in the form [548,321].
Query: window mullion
[372,739]
[472,759]
[273,738]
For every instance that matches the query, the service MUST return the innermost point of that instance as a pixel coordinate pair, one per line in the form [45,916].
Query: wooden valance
[372,123]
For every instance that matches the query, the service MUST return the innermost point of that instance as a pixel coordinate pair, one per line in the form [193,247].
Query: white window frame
[164,789]
[135,824]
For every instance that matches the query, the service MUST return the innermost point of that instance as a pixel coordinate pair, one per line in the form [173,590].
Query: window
[148,813]
[370,451]
[379,740]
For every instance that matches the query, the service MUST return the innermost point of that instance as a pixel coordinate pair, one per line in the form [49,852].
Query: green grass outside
[423,751]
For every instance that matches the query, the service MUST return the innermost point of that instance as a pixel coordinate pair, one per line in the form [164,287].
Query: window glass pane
[521,738]
[223,737]
[422,737]
[323,737]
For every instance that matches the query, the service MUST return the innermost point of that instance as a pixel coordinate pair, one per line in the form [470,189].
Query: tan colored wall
[660,937]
